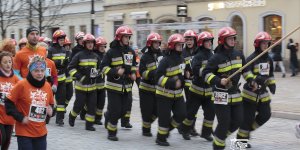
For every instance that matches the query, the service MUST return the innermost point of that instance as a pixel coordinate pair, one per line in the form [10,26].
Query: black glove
[272,88]
[261,80]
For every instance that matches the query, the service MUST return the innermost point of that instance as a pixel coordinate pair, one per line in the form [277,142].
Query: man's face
[230,41]
[125,39]
[89,45]
[178,47]
[207,44]
[189,41]
[61,41]
[101,48]
[155,44]
[264,45]
[80,41]
[33,37]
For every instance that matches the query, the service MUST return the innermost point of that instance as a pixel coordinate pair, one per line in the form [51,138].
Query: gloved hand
[261,80]
[54,88]
[272,88]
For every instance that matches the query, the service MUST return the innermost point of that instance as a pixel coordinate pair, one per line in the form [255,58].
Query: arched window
[273,25]
[237,24]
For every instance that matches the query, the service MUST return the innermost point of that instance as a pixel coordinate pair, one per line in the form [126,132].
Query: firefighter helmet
[123,30]
[224,33]
[58,34]
[262,36]
[174,39]
[203,36]
[153,37]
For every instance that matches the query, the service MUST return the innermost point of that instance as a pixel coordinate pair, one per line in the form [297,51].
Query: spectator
[277,58]
[293,57]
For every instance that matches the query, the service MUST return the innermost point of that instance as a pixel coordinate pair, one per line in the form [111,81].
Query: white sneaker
[298,130]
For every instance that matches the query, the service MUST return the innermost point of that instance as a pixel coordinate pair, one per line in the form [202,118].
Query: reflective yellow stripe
[265,99]
[234,100]
[219,143]
[187,84]
[242,134]
[210,78]
[188,122]
[271,82]
[245,95]
[146,124]
[207,125]
[85,88]
[255,70]
[162,132]
[111,127]
[69,80]
[106,70]
[164,81]
[115,63]
[147,88]
[58,57]
[173,73]
[72,72]
[133,68]
[73,113]
[87,64]
[228,68]
[61,78]
[168,94]
[89,119]
[113,88]
[60,109]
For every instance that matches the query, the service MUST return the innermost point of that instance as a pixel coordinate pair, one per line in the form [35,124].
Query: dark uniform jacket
[57,53]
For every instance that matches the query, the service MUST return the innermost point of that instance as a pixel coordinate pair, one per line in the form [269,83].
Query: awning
[115,17]
[139,15]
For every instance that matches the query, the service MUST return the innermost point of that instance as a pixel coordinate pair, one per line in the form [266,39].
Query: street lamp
[92,17]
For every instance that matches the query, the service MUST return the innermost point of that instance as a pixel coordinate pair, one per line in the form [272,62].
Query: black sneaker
[162,143]
[194,132]
[113,138]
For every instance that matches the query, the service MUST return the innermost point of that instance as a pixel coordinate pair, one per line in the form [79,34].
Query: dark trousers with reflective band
[116,108]
[69,92]
[187,99]
[5,133]
[255,115]
[148,105]
[229,119]
[165,107]
[60,97]
[85,98]
[193,106]
[126,117]
[100,103]
[30,143]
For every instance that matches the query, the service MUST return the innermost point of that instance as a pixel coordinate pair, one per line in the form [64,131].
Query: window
[12,34]
[117,24]
[72,34]
[237,24]
[273,25]
[20,33]
[142,35]
[83,28]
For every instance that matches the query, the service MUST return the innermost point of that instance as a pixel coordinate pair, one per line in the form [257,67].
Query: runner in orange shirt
[29,102]
[22,57]
[7,81]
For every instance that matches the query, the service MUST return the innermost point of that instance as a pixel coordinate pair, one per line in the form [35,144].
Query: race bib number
[128,58]
[37,113]
[158,60]
[221,98]
[182,67]
[93,73]
[2,96]
[48,72]
[264,68]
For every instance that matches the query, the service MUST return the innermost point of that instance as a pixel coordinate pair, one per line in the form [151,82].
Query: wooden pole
[262,53]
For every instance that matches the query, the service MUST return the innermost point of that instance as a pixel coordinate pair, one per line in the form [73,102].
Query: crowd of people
[38,80]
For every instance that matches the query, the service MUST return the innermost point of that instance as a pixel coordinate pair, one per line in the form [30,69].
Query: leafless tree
[46,14]
[10,12]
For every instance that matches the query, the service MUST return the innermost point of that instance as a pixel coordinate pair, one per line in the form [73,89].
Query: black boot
[207,137]
[82,114]
[147,132]
[106,119]
[71,120]
[89,126]
[112,135]
[206,133]
[98,120]
[162,140]
[194,132]
[60,118]
[125,122]
[184,131]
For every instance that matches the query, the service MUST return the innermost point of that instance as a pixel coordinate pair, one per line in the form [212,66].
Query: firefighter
[257,110]
[57,53]
[84,67]
[148,66]
[188,52]
[226,94]
[79,47]
[169,89]
[100,51]
[200,92]
[119,65]
[69,81]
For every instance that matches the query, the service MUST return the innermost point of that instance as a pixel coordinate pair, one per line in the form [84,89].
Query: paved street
[277,134]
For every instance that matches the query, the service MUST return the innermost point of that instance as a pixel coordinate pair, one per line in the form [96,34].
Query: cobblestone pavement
[276,134]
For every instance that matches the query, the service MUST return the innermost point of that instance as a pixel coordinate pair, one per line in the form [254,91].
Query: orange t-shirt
[137,59]
[31,102]
[21,60]
[6,85]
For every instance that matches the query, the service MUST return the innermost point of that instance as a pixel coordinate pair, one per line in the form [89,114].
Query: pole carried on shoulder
[262,53]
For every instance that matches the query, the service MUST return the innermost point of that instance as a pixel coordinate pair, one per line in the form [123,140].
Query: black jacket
[115,59]
[84,68]
[168,72]
[277,53]
[101,78]
[76,49]
[147,68]
[57,53]
[199,62]
[187,55]
[221,65]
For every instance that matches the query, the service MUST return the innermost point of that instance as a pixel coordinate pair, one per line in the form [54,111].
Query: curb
[286,115]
